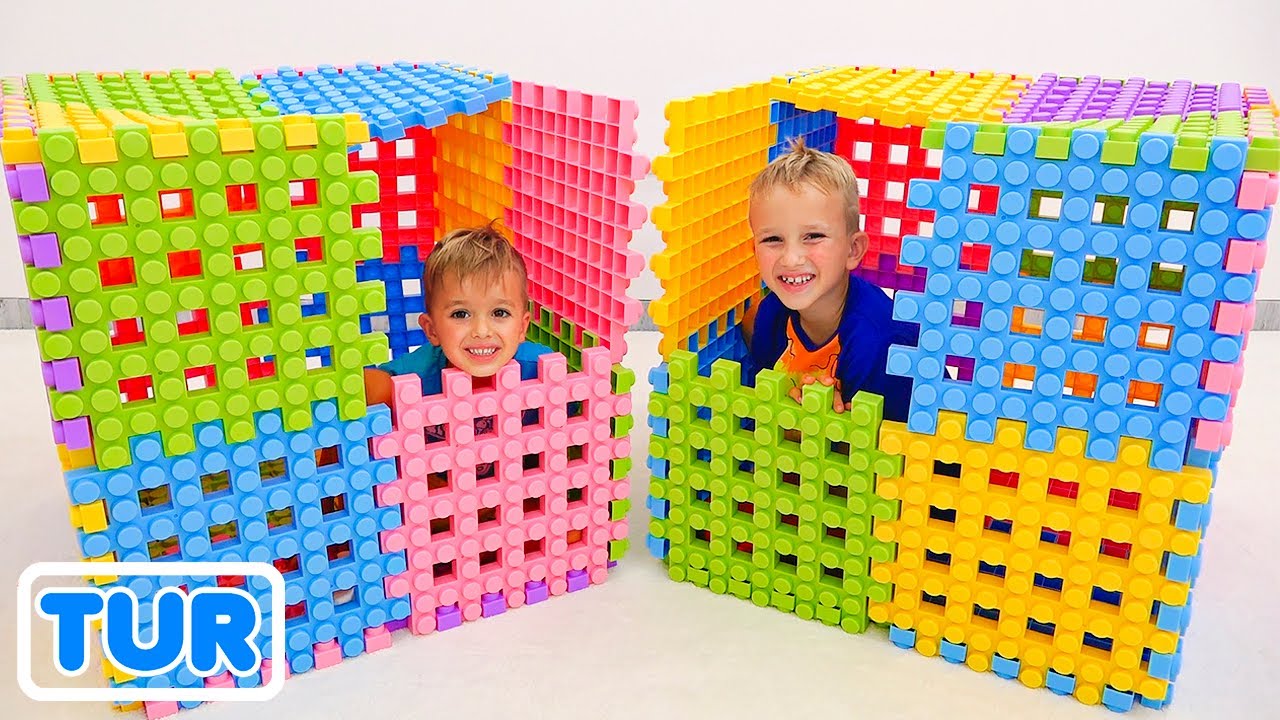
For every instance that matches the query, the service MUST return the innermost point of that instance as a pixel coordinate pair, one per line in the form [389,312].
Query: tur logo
[209,630]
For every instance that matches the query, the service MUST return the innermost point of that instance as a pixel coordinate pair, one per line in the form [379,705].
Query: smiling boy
[820,323]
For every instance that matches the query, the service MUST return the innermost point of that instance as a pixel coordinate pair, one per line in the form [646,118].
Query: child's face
[805,249]
[477,322]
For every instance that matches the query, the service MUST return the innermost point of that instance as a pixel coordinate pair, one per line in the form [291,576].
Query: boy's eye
[459,314]
[770,239]
[502,312]
[814,236]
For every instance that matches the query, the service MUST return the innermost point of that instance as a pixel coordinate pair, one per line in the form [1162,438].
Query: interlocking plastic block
[886,160]
[1047,562]
[472,158]
[17,131]
[176,285]
[402,283]
[560,335]
[264,500]
[529,501]
[572,176]
[1106,302]
[898,97]
[391,98]
[405,211]
[816,129]
[716,144]
[197,94]
[767,499]
[1054,98]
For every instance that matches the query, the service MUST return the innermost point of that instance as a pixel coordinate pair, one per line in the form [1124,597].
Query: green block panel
[187,300]
[557,333]
[203,95]
[767,497]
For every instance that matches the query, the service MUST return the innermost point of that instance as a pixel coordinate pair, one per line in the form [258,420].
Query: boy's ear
[857,249]
[424,322]
[524,324]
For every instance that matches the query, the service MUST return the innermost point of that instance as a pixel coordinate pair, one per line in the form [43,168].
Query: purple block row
[578,580]
[53,314]
[893,280]
[32,186]
[1066,99]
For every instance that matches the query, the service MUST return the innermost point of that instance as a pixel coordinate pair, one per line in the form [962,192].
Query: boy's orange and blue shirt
[855,356]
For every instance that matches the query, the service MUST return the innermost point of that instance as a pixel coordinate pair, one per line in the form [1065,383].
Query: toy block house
[212,264]
[1078,270]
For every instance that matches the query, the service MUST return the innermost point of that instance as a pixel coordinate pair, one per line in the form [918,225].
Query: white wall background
[650,51]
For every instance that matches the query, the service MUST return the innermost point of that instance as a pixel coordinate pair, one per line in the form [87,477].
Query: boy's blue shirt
[429,361]
[862,341]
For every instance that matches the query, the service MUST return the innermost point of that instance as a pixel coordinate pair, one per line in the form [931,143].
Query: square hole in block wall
[157,498]
[1081,385]
[184,264]
[891,226]
[176,204]
[1027,321]
[368,151]
[314,304]
[137,389]
[303,193]
[319,358]
[215,485]
[345,599]
[1046,204]
[975,257]
[224,533]
[405,148]
[959,368]
[411,287]
[1144,394]
[862,151]
[1089,328]
[309,249]
[1100,270]
[247,257]
[441,525]
[407,218]
[1155,336]
[106,210]
[242,198]
[261,367]
[201,378]
[933,158]
[117,272]
[127,332]
[984,199]
[533,548]
[370,220]
[895,191]
[193,322]
[1166,277]
[256,312]
[898,154]
[380,323]
[165,549]
[406,183]
[1110,210]
[1178,216]
[1036,264]
[296,613]
[1018,376]
[862,193]
[338,552]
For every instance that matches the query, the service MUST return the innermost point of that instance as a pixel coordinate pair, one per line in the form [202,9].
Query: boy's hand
[837,403]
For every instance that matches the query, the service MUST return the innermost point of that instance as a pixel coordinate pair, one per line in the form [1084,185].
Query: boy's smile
[805,252]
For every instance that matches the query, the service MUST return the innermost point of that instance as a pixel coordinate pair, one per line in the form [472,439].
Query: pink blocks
[376,639]
[160,709]
[488,518]
[572,175]
[327,654]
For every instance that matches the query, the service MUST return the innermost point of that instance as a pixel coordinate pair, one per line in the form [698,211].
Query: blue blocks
[403,283]
[390,98]
[303,501]
[816,129]
[1100,302]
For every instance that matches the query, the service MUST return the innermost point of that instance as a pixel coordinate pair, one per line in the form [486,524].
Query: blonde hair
[470,252]
[803,165]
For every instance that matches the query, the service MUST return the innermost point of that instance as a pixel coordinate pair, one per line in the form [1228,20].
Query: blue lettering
[224,623]
[70,610]
[122,644]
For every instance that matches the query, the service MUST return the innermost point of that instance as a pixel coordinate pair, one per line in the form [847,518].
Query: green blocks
[179,93]
[766,499]
[200,273]
[562,336]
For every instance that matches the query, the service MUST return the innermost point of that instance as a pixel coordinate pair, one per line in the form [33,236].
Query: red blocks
[406,209]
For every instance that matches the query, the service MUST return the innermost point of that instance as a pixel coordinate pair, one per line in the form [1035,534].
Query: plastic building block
[179,93]
[1053,98]
[816,129]
[540,510]
[278,498]
[1060,563]
[560,335]
[402,283]
[1139,307]
[405,211]
[391,98]
[716,143]
[766,499]
[572,174]
[471,161]
[159,346]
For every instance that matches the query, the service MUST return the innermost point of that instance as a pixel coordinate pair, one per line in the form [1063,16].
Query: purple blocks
[62,375]
[44,250]
[394,625]
[448,617]
[53,314]
[1066,99]
[578,580]
[32,186]
[76,433]
[11,182]
[535,592]
[492,604]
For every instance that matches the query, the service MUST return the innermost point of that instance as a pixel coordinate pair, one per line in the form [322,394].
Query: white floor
[641,646]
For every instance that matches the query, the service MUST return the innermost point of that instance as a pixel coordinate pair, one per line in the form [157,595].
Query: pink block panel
[157,709]
[573,173]
[529,501]
[225,680]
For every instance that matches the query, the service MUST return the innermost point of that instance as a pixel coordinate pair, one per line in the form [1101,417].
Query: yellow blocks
[470,159]
[903,96]
[1051,563]
[717,143]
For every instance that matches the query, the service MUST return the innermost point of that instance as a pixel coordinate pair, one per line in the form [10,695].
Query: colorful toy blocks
[213,264]
[1077,258]
[509,493]
[770,501]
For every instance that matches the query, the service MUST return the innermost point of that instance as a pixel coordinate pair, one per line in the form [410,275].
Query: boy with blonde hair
[475,286]
[819,323]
